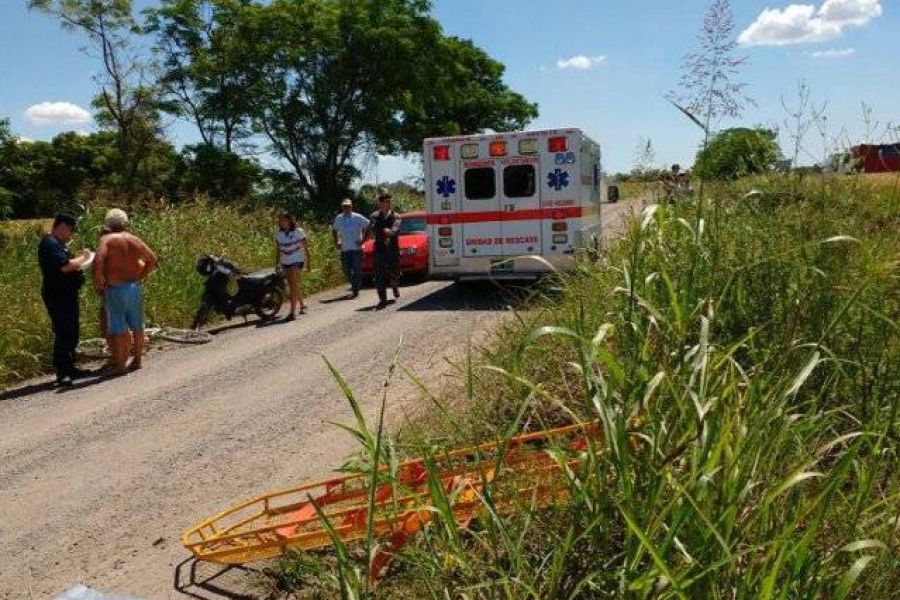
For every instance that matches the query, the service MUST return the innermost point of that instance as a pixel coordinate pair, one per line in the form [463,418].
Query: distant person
[291,255]
[349,231]
[123,262]
[384,224]
[671,181]
[61,280]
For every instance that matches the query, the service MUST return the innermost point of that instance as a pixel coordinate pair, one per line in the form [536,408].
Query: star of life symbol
[558,179]
[446,187]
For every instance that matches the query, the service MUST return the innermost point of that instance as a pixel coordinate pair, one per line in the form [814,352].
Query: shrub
[736,153]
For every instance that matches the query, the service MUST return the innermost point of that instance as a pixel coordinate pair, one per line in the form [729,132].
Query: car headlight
[409,251]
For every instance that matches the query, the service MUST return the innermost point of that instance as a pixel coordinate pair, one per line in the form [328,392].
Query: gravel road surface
[97,482]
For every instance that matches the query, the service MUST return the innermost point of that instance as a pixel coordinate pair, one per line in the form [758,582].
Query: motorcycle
[261,292]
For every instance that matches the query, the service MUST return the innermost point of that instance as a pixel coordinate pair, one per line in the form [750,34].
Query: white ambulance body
[497,201]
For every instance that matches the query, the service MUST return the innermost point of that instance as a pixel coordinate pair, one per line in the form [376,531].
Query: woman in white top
[291,254]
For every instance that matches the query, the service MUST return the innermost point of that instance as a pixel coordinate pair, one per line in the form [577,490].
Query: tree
[201,48]
[217,173]
[738,152]
[337,79]
[460,91]
[126,103]
[7,196]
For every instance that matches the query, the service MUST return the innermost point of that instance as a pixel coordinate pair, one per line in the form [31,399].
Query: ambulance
[511,205]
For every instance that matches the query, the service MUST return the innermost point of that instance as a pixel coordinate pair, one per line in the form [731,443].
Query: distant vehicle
[882,158]
[511,205]
[413,247]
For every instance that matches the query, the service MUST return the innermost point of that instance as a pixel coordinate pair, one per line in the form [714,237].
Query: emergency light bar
[442,153]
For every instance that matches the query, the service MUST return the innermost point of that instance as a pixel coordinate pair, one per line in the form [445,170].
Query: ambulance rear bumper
[519,268]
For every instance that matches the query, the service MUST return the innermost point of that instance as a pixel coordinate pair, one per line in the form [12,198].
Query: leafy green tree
[336,79]
[460,91]
[737,152]
[125,102]
[218,173]
[201,49]
[7,196]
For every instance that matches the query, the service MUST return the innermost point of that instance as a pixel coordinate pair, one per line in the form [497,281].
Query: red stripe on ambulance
[568,212]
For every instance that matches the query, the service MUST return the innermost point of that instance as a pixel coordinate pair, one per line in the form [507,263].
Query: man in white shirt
[349,230]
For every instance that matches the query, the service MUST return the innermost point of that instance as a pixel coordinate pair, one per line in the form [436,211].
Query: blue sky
[630,53]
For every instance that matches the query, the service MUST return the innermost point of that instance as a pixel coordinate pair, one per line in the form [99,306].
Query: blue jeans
[351,260]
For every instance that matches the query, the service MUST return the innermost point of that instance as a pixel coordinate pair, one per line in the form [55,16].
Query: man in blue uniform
[384,225]
[61,281]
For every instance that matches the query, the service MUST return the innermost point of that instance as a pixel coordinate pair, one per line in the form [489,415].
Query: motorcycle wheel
[270,304]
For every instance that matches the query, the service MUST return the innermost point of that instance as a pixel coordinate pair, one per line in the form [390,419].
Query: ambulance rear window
[518,181]
[480,184]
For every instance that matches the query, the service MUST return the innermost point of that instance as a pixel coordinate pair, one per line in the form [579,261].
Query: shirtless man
[123,261]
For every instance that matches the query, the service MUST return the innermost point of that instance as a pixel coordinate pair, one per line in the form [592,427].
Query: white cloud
[56,113]
[581,62]
[834,53]
[850,12]
[804,23]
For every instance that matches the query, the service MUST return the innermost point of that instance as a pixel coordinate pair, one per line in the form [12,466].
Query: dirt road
[97,483]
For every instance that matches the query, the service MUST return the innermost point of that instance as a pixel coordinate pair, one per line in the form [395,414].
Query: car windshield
[412,225]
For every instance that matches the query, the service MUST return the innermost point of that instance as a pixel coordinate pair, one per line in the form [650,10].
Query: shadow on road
[27,390]
[252,322]
[476,296]
[92,378]
[207,581]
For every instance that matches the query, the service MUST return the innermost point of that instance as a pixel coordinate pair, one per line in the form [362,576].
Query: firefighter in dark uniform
[61,281]
[384,225]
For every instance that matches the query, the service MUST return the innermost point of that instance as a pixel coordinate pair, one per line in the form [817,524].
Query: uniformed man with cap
[61,281]
[384,225]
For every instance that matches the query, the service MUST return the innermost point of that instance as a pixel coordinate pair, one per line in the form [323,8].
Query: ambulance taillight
[557,144]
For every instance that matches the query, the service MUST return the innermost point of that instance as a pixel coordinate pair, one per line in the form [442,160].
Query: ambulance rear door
[480,203]
[520,202]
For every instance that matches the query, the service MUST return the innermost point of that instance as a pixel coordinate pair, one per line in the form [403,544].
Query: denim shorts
[124,308]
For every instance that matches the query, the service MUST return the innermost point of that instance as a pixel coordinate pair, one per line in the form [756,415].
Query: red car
[413,247]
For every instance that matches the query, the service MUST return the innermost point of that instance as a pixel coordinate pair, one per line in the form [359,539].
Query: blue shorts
[124,308]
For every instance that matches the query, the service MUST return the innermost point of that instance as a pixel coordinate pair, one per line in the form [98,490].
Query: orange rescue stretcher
[525,472]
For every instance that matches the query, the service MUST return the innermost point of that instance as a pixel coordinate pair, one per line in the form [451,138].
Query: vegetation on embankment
[742,356]
[179,235]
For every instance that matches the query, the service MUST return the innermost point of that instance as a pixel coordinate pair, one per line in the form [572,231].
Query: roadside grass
[742,356]
[179,235]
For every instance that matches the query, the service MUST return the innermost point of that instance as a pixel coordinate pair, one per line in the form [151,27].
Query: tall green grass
[178,235]
[742,356]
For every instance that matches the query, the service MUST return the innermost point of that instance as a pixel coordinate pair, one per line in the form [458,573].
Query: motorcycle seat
[257,277]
